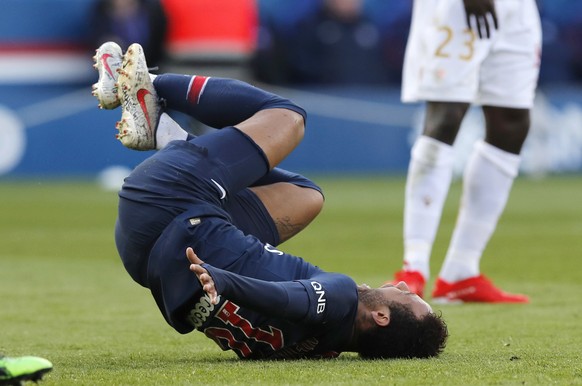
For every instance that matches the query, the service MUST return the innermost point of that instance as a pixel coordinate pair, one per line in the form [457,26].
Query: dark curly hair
[406,336]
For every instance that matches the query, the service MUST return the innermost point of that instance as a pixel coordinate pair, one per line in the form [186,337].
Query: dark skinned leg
[506,128]
[487,182]
[427,184]
[443,120]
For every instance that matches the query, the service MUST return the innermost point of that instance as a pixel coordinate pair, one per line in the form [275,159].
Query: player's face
[400,293]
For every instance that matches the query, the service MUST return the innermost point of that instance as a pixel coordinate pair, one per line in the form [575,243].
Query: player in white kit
[460,53]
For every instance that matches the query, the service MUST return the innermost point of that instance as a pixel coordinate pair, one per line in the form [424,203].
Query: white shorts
[446,62]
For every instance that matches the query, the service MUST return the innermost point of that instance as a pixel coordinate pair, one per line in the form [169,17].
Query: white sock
[487,181]
[427,185]
[168,130]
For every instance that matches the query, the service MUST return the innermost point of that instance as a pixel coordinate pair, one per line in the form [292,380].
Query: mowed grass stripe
[64,294]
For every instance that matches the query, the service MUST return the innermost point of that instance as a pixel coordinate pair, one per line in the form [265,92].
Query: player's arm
[483,13]
[292,300]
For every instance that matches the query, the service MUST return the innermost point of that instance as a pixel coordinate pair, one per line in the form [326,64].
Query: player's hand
[203,275]
[483,12]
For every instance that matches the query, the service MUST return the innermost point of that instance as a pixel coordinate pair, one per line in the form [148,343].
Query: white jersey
[445,61]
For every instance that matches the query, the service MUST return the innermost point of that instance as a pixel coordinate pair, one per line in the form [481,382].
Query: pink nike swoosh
[141,94]
[106,64]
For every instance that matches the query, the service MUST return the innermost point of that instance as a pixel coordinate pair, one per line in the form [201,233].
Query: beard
[371,297]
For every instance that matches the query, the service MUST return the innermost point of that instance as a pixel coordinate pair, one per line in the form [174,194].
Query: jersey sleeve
[326,297]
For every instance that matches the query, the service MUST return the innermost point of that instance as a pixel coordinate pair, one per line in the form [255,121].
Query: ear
[381,317]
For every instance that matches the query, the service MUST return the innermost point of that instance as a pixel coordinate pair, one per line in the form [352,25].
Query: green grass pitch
[64,294]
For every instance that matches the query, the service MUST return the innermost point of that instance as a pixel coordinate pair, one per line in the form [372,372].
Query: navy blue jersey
[258,319]
[272,305]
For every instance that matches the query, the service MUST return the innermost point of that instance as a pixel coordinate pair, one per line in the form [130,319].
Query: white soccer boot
[107,59]
[139,102]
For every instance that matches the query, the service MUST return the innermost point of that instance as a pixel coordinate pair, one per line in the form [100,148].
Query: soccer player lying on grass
[219,196]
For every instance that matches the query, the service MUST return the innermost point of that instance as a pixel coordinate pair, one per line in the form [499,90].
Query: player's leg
[506,128]
[274,123]
[291,207]
[508,79]
[427,185]
[292,200]
[488,178]
[221,102]
[442,67]
[215,102]
[276,207]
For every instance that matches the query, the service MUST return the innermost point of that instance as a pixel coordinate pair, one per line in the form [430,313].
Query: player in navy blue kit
[219,196]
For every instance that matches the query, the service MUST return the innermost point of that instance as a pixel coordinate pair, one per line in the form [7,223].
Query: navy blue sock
[217,102]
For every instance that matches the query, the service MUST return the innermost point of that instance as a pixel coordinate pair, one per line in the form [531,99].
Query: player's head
[396,323]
